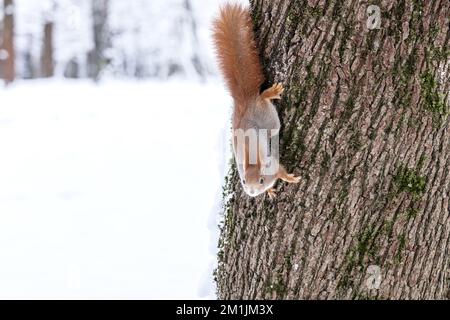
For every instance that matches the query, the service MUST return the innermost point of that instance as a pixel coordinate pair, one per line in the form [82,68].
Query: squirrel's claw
[272,194]
[279,89]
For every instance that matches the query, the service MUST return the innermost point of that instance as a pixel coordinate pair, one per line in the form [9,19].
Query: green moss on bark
[433,100]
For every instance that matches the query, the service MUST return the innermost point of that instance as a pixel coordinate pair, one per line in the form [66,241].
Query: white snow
[110,190]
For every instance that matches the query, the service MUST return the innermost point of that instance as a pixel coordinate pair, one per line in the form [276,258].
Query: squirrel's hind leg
[274,92]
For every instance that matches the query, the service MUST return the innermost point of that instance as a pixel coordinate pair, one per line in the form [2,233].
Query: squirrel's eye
[261,180]
[243,181]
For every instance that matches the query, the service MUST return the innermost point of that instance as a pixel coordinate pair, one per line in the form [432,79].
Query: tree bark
[47,61]
[8,68]
[365,126]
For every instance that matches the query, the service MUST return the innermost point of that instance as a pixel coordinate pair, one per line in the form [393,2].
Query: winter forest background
[98,38]
[114,147]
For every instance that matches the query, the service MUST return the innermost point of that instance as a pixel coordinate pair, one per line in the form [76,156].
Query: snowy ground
[111,190]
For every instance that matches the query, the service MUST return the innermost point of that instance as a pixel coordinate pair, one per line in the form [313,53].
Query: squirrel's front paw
[273,92]
[272,194]
[291,178]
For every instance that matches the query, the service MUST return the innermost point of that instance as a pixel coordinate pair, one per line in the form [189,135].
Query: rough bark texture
[365,126]
[47,62]
[8,68]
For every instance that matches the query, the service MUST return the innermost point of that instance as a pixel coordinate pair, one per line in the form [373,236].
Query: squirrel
[242,70]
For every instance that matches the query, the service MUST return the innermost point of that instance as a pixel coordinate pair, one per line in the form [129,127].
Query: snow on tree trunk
[7,53]
[365,126]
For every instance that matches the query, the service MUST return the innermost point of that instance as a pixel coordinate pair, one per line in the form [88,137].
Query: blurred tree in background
[105,38]
[47,63]
[7,52]
[97,59]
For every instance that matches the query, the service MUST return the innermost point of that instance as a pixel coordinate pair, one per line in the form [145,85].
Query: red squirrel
[253,111]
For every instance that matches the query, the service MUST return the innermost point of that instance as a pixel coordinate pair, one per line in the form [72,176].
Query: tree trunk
[72,70]
[29,64]
[47,62]
[97,60]
[365,126]
[8,52]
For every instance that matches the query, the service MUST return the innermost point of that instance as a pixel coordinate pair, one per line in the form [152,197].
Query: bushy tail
[237,52]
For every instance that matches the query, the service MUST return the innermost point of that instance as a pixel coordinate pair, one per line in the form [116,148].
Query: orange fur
[237,54]
[240,65]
